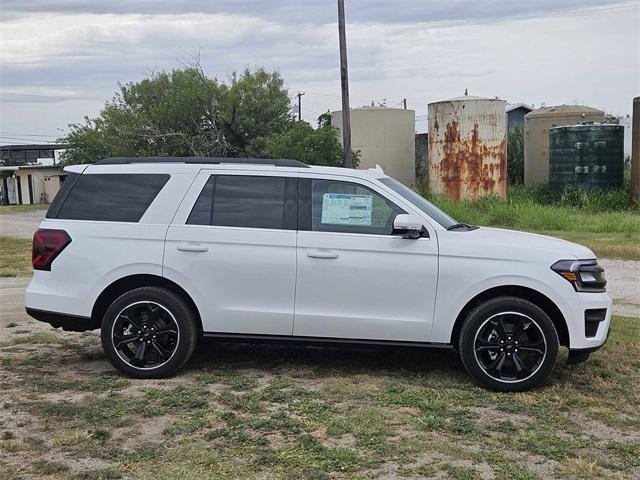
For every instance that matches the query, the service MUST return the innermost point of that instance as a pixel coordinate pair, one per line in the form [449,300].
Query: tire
[149,332]
[528,350]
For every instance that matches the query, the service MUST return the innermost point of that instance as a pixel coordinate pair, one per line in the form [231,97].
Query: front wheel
[149,332]
[508,344]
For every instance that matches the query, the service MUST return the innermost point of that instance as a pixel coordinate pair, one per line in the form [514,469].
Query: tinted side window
[201,211]
[246,201]
[351,208]
[111,197]
[66,184]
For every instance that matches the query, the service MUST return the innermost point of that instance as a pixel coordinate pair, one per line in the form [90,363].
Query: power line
[23,139]
[29,134]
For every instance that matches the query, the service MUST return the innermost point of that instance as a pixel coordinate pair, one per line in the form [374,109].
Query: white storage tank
[384,136]
[467,147]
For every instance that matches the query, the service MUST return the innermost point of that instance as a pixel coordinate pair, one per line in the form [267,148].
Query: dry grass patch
[15,260]
[240,411]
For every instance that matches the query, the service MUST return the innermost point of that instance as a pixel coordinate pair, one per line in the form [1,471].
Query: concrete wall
[384,136]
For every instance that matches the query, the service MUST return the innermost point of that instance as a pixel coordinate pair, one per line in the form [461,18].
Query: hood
[510,244]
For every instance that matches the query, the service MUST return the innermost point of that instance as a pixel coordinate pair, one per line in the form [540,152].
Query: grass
[241,411]
[588,221]
[9,209]
[15,257]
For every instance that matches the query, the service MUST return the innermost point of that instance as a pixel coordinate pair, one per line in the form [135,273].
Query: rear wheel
[508,344]
[149,332]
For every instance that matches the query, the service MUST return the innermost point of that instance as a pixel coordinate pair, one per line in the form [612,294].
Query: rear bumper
[72,323]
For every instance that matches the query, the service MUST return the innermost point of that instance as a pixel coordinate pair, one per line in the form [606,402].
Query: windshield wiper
[460,226]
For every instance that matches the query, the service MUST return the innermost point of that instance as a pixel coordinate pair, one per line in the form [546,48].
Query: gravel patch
[21,225]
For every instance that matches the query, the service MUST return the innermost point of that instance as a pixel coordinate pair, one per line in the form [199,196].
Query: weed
[46,467]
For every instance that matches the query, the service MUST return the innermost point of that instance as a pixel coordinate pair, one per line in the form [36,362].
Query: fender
[449,306]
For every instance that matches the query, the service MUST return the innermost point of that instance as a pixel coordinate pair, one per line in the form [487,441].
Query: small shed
[515,114]
[29,184]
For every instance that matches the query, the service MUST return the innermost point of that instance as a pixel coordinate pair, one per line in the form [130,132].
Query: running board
[320,341]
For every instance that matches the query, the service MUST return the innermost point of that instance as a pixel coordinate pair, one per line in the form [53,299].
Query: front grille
[592,319]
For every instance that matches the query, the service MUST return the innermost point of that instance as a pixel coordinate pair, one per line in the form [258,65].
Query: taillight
[47,245]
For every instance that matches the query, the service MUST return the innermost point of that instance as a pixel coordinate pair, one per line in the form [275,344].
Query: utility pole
[404,102]
[635,150]
[300,105]
[344,81]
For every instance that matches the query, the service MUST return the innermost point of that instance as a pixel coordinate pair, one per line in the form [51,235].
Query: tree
[515,156]
[314,147]
[184,113]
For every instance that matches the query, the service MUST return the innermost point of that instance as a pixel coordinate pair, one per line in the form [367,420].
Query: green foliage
[314,147]
[184,113]
[515,156]
[606,221]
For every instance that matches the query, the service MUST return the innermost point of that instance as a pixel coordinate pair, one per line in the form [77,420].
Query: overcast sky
[62,59]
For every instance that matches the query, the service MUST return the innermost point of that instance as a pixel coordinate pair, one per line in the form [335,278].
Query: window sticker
[346,209]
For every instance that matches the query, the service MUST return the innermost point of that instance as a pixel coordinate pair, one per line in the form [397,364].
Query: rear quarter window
[109,197]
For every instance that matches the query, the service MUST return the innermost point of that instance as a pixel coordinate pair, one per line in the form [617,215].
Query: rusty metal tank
[537,125]
[467,147]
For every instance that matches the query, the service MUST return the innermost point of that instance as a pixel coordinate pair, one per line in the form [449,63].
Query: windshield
[427,207]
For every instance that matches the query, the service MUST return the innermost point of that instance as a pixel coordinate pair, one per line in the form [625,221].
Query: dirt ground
[241,411]
[22,224]
[272,412]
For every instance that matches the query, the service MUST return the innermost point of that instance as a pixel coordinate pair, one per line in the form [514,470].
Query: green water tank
[589,156]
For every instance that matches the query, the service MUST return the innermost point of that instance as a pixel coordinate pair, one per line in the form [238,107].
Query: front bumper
[579,337]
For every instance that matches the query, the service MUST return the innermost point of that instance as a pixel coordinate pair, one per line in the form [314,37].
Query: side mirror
[409,226]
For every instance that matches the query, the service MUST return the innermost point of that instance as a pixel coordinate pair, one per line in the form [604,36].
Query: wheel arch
[130,282]
[526,293]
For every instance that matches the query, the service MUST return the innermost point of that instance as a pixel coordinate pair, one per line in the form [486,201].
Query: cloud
[313,11]
[68,56]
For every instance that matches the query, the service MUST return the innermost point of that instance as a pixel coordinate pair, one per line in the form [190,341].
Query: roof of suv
[186,164]
[202,160]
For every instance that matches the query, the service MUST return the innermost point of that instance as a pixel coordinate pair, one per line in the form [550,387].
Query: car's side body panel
[244,280]
[365,286]
[263,282]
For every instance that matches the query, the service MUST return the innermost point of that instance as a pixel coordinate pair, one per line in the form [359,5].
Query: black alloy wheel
[508,344]
[149,332]
[145,335]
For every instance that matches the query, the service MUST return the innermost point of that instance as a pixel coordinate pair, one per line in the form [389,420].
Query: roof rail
[203,160]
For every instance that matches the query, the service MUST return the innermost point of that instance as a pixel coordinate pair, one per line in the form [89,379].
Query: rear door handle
[191,247]
[328,254]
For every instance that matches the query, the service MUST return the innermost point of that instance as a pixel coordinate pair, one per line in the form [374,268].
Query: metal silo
[589,156]
[384,136]
[536,136]
[467,147]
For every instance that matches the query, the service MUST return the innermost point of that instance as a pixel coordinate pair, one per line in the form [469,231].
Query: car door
[232,246]
[356,279]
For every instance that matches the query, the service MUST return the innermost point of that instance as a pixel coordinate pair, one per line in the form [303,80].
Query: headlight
[584,275]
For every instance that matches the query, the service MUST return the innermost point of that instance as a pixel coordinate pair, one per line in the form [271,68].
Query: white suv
[159,251]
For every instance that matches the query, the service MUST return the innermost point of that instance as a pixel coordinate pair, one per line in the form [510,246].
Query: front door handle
[328,254]
[191,247]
